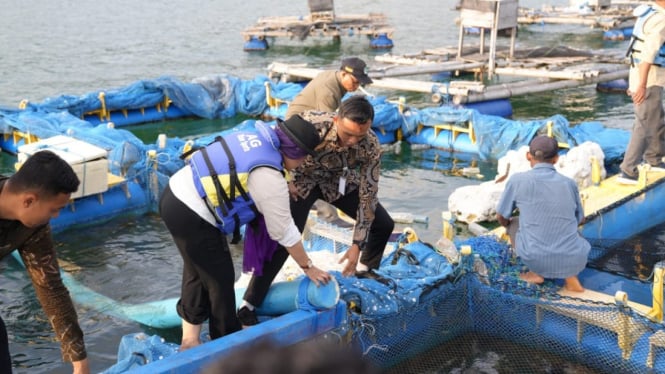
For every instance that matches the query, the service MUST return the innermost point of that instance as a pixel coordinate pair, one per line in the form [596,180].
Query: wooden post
[495,31]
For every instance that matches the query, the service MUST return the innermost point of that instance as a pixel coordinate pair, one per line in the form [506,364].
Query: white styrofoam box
[72,150]
[88,161]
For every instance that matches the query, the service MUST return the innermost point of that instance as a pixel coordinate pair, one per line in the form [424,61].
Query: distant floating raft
[321,22]
[597,14]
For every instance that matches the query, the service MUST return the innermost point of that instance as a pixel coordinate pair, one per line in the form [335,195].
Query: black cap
[358,68]
[544,147]
[302,132]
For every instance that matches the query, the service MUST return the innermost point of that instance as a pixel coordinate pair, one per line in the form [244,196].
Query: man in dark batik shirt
[28,200]
[345,173]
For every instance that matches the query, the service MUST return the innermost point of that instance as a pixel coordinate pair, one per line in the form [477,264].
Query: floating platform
[614,210]
[604,15]
[528,71]
[322,22]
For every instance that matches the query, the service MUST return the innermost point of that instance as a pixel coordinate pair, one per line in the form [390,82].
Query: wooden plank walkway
[597,198]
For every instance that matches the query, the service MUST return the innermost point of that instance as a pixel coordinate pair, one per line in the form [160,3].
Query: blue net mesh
[424,314]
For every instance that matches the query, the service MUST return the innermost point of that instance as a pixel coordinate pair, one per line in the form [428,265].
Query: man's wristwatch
[308,266]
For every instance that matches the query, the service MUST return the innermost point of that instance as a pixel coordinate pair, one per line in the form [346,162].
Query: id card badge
[342,185]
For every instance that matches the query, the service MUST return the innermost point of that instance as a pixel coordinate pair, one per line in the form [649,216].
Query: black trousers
[5,358]
[380,232]
[208,275]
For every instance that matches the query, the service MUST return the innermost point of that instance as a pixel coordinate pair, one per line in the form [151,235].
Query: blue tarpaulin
[225,96]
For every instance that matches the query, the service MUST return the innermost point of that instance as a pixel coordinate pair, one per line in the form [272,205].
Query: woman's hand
[318,276]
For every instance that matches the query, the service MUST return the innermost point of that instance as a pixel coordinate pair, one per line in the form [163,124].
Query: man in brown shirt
[324,93]
[344,172]
[28,200]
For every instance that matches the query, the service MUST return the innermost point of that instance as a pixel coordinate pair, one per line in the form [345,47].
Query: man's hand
[638,95]
[81,367]
[293,191]
[351,256]
[503,221]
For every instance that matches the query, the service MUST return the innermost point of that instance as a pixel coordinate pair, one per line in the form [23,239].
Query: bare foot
[573,284]
[190,335]
[532,277]
[187,344]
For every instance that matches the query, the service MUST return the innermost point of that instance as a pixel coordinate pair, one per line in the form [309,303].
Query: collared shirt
[323,93]
[654,38]
[550,210]
[359,165]
[35,245]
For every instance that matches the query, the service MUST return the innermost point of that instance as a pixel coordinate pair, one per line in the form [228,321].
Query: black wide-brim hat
[302,132]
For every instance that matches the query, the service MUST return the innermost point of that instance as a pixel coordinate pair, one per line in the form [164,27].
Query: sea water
[50,48]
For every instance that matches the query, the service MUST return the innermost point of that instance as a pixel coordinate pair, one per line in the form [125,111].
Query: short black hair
[45,173]
[357,108]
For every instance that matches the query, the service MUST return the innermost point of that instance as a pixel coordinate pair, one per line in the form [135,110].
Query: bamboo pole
[425,87]
[544,73]
[297,71]
[396,71]
[540,85]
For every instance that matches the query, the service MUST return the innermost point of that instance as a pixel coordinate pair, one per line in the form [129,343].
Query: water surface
[74,47]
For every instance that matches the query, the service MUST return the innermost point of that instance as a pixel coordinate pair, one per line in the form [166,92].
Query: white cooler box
[88,161]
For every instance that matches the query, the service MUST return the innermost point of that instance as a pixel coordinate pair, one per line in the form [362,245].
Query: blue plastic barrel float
[618,34]
[138,116]
[126,199]
[10,144]
[381,41]
[256,43]
[498,107]
[444,139]
[386,137]
[613,86]
[285,297]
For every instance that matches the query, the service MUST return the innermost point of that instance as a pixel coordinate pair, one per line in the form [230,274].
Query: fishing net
[434,309]
[477,316]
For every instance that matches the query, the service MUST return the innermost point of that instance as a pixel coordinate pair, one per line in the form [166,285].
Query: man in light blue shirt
[550,210]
